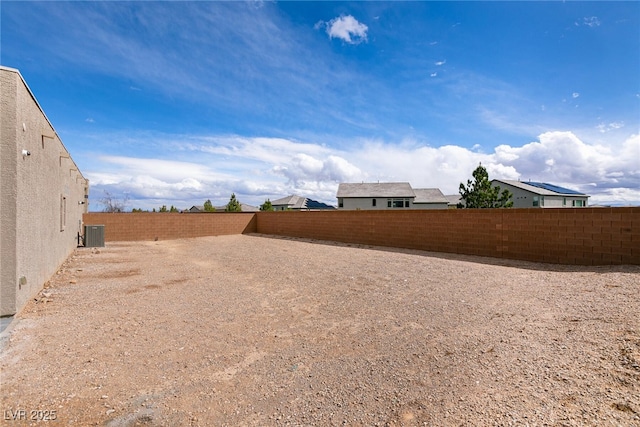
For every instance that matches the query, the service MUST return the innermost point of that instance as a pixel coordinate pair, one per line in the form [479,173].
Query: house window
[577,203]
[564,201]
[541,200]
[373,202]
[535,201]
[340,203]
[397,203]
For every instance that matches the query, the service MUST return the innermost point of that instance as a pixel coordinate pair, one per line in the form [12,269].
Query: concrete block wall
[572,236]
[577,236]
[166,226]
[475,232]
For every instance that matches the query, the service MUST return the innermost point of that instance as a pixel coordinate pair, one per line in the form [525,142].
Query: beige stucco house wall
[43,195]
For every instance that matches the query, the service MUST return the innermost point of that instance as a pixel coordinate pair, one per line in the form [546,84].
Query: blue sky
[174,103]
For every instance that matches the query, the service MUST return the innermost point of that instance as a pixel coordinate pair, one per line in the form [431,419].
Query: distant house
[388,195]
[244,206]
[541,195]
[299,203]
[199,208]
[453,200]
[430,198]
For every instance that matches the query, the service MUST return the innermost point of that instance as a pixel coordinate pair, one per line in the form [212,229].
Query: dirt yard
[256,331]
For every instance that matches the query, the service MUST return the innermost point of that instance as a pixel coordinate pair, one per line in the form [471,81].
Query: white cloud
[575,94]
[591,21]
[603,128]
[439,63]
[302,168]
[348,29]
[563,159]
[257,168]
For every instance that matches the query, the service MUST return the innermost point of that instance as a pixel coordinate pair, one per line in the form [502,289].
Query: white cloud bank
[347,28]
[260,168]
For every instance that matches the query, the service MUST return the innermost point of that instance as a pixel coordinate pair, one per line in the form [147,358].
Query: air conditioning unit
[94,236]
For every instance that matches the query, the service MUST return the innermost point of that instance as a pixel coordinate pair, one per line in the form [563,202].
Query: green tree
[163,209]
[208,206]
[173,209]
[480,194]
[233,205]
[266,206]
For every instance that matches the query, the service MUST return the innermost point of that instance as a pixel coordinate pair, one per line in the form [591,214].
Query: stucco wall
[366,203]
[8,193]
[44,192]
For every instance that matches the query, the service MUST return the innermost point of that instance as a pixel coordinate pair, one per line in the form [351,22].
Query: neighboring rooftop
[429,195]
[384,189]
[291,202]
[244,206]
[300,203]
[453,199]
[542,188]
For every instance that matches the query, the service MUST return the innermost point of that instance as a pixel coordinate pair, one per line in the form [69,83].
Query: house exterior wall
[525,199]
[40,210]
[366,203]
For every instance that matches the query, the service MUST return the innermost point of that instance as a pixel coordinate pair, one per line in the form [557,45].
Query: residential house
[299,203]
[200,208]
[453,200]
[243,206]
[541,194]
[388,195]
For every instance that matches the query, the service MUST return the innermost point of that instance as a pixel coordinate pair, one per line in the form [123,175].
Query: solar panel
[555,188]
[313,204]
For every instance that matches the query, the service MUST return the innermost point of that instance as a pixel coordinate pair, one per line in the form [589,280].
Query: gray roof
[429,195]
[243,206]
[539,188]
[384,189]
[300,203]
[293,202]
[453,199]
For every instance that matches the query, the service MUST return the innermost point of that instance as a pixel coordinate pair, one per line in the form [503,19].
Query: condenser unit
[94,236]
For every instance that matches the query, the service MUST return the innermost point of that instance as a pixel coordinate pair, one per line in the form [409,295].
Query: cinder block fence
[167,226]
[580,236]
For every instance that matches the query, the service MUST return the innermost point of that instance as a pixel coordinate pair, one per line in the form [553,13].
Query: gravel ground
[255,330]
